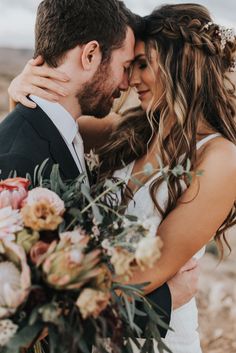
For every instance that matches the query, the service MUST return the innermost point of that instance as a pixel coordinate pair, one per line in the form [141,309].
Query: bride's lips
[142,94]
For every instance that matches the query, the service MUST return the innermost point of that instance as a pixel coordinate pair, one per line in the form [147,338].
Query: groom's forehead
[127,49]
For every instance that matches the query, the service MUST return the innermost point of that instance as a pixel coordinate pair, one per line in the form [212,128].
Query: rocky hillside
[11,63]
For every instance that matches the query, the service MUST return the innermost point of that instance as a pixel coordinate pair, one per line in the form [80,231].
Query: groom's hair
[61,25]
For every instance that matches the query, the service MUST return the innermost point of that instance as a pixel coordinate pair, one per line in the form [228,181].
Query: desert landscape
[217,288]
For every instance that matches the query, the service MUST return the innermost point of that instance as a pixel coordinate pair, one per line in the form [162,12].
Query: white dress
[184,320]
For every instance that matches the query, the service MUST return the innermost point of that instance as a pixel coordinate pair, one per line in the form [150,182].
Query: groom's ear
[91,55]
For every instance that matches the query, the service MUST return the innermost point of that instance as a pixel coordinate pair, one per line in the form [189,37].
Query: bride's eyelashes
[142,64]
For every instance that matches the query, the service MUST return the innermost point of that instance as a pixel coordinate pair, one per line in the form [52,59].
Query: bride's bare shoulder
[219,155]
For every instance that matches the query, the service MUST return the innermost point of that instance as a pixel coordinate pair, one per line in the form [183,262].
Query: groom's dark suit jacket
[27,138]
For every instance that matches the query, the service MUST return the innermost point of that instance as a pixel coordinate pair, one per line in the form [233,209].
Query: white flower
[73,237]
[41,194]
[127,223]
[122,261]
[151,226]
[148,251]
[7,331]
[14,279]
[10,223]
[107,246]
[92,302]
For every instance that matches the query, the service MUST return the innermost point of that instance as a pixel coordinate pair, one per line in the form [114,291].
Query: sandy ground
[217,288]
[217,301]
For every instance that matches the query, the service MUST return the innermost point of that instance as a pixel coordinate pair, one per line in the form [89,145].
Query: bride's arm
[47,83]
[200,212]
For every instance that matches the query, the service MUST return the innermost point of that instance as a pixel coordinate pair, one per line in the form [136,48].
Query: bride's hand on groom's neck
[39,80]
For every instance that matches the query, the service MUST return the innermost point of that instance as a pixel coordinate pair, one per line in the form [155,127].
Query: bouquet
[62,247]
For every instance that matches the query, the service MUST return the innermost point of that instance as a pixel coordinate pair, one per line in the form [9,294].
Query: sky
[17,17]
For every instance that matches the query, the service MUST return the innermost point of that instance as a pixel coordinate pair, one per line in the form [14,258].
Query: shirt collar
[60,117]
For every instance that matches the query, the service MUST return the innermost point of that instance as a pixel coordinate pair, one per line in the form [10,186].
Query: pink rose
[13,192]
[39,195]
[38,250]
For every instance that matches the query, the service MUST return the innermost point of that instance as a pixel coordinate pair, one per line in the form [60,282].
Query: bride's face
[145,77]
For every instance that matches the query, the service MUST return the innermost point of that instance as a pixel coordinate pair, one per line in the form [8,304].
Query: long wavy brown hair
[193,71]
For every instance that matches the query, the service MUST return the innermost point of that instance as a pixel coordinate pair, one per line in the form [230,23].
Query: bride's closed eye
[142,64]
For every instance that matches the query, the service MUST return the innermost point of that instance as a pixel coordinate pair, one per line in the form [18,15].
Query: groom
[93,43]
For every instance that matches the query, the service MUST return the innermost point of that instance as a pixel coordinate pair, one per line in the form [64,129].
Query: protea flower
[66,266]
[10,223]
[13,192]
[74,236]
[14,279]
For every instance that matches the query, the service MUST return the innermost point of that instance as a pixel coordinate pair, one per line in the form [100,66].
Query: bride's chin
[144,105]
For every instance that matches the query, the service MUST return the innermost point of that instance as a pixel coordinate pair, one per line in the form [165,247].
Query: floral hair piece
[226,35]
[233,66]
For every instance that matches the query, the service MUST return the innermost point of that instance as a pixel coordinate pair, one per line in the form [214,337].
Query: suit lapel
[58,150]
[62,156]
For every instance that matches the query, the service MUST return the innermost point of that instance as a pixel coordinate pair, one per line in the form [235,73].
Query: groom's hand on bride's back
[184,285]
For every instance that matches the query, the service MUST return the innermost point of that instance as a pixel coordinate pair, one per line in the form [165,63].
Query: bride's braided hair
[193,70]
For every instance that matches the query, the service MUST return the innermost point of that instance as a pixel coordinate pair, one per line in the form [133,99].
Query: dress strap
[206,139]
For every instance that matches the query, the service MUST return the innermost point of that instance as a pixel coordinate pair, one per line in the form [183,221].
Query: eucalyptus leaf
[86,192]
[23,338]
[148,169]
[188,166]
[136,181]
[178,170]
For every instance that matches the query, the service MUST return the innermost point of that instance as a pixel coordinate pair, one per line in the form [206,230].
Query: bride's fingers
[42,93]
[26,102]
[37,61]
[48,72]
[190,265]
[49,84]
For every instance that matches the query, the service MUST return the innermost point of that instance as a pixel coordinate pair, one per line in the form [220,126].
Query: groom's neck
[72,106]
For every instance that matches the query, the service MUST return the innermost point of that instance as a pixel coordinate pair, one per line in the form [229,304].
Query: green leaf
[86,192]
[131,218]
[178,170]
[188,166]
[148,169]
[23,338]
[199,172]
[109,184]
[136,181]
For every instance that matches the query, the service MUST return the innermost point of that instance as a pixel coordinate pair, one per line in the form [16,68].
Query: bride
[188,105]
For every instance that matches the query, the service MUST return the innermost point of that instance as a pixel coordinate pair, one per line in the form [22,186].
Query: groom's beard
[97,96]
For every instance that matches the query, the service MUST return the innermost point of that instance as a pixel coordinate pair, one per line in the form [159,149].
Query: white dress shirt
[67,127]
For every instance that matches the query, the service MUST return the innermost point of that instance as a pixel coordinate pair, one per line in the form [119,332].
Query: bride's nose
[134,78]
